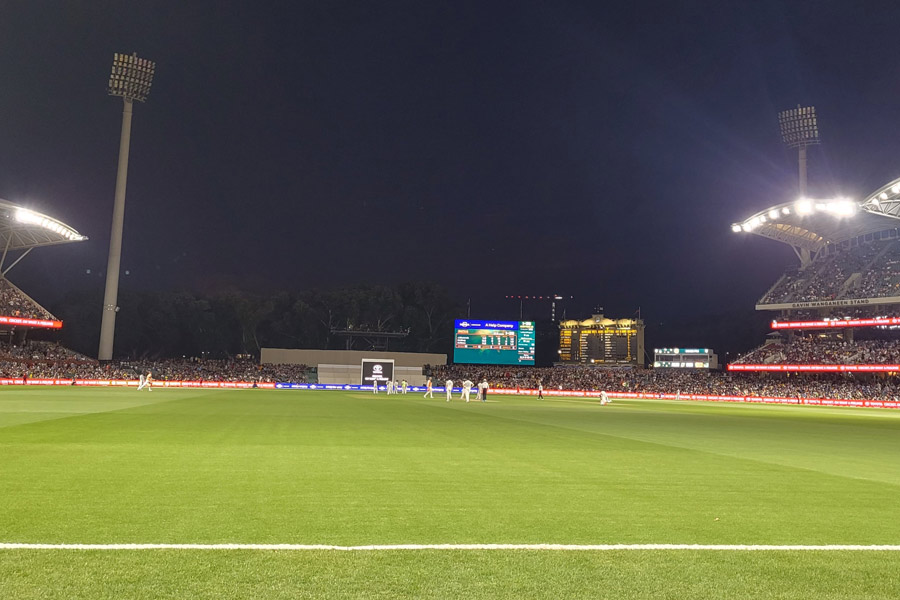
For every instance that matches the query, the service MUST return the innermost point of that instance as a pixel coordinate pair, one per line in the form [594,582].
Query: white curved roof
[884,201]
[812,224]
[22,228]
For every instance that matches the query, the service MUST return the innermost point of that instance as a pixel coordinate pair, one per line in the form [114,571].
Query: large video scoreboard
[494,342]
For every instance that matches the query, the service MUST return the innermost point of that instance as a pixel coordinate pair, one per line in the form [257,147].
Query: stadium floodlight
[799,129]
[130,79]
[804,207]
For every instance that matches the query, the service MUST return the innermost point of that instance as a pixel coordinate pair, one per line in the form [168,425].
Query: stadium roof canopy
[809,225]
[24,229]
[885,201]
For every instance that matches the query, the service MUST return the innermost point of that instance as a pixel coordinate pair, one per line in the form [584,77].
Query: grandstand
[22,230]
[839,306]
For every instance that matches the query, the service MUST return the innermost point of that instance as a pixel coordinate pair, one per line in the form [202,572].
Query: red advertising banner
[135,382]
[497,391]
[29,322]
[886,321]
[818,368]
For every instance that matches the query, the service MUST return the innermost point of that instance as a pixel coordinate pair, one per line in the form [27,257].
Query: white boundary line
[381,547]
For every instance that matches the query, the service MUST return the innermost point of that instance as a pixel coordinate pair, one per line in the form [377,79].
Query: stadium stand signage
[28,322]
[830,303]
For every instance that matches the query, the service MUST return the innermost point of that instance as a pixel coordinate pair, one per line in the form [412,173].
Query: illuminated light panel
[804,207]
[818,368]
[23,215]
[836,323]
[28,322]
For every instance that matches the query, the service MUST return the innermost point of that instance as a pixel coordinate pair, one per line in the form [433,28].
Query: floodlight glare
[736,228]
[773,214]
[803,207]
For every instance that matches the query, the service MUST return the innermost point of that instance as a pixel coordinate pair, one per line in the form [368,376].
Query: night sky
[600,150]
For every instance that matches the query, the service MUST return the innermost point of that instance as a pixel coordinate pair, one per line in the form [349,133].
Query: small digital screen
[682,358]
[493,342]
[375,372]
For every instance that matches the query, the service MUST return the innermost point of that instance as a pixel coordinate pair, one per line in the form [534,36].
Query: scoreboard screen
[684,358]
[494,342]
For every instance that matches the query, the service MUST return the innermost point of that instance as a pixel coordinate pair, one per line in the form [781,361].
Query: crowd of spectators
[813,350]
[40,360]
[829,277]
[45,360]
[672,381]
[882,279]
[14,303]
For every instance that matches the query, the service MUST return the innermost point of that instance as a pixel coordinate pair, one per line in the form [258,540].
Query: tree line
[152,324]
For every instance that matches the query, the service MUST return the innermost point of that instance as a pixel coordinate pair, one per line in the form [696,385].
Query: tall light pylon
[130,79]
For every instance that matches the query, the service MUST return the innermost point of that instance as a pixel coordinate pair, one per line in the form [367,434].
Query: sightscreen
[494,342]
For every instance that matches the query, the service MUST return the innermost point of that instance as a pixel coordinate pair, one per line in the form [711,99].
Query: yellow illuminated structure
[602,341]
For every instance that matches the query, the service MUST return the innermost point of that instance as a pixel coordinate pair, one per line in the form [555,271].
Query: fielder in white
[145,382]
[466,388]
[448,385]
[604,398]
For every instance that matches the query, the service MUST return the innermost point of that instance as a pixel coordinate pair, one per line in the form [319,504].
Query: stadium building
[21,231]
[838,308]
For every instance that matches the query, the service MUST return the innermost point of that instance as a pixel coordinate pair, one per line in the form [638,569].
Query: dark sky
[596,149]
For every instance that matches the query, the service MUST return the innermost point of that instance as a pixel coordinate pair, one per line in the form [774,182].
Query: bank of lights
[32,218]
[131,77]
[838,207]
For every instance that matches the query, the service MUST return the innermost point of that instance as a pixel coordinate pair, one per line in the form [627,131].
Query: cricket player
[429,393]
[448,386]
[403,386]
[390,386]
[145,382]
[540,389]
[604,398]
[466,389]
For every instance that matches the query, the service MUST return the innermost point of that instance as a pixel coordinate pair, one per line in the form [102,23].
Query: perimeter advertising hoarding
[493,342]
[376,371]
[30,322]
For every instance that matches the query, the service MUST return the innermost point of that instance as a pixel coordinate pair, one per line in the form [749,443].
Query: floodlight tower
[130,79]
[799,129]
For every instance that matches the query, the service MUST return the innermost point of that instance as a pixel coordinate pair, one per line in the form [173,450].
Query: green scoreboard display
[494,342]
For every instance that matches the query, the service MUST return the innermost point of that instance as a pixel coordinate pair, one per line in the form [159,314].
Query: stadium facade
[21,231]
[835,307]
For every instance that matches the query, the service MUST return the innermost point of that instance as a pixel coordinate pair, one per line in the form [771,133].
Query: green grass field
[254,466]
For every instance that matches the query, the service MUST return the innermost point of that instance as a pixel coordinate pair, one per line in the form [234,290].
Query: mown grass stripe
[388,547]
